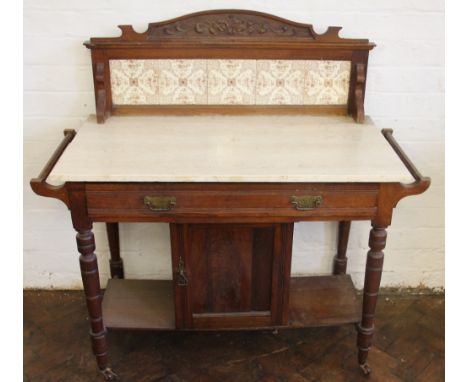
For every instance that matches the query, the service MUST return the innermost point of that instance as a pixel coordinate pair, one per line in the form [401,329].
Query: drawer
[169,202]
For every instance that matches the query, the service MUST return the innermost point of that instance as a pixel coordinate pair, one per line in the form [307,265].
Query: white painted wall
[405,91]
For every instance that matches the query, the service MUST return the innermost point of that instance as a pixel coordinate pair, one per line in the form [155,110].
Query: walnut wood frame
[89,202]
[228,34]
[254,35]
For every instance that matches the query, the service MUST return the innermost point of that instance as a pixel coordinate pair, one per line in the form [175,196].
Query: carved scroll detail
[359,92]
[100,92]
[226,24]
[229,25]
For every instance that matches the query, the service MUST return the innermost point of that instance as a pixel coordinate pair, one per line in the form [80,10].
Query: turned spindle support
[115,262]
[92,289]
[374,264]
[340,260]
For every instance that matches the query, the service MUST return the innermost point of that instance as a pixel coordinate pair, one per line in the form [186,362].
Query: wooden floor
[409,346]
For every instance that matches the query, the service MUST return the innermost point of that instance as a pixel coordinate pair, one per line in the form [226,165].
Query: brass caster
[365,368]
[109,375]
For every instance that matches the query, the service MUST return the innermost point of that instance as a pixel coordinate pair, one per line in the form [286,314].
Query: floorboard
[409,346]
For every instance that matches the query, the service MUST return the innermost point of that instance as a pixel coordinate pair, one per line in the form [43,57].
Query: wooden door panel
[230,268]
[220,269]
[262,266]
[235,274]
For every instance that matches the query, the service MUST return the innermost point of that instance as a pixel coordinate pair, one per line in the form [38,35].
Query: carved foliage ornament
[229,25]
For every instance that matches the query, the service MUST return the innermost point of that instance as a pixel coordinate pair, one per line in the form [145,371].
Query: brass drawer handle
[306,203]
[160,203]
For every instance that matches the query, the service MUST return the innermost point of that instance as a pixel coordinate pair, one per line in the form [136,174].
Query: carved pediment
[228,24]
[220,26]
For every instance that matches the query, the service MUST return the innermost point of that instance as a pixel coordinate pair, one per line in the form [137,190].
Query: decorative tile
[134,82]
[183,82]
[280,82]
[326,82]
[231,82]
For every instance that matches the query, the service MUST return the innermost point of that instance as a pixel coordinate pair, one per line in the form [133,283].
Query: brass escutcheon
[182,279]
[160,203]
[306,203]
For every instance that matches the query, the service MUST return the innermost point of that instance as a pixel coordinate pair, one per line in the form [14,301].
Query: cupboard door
[235,274]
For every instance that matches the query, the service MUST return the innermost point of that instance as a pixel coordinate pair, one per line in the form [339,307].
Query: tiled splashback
[230,82]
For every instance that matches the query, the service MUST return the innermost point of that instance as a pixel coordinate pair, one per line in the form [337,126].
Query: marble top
[219,148]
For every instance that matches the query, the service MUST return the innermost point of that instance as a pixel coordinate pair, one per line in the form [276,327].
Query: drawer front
[178,201]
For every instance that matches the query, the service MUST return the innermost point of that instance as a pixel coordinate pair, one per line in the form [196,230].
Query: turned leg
[340,260]
[116,263]
[375,258]
[92,289]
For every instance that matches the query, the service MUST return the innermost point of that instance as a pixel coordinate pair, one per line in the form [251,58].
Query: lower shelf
[148,304]
[139,304]
[322,301]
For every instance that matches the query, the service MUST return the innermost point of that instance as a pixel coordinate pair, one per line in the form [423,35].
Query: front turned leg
[375,258]
[115,262]
[92,289]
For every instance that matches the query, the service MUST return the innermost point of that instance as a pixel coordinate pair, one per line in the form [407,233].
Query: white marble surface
[229,149]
